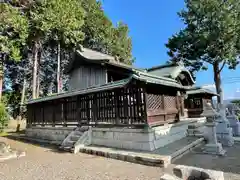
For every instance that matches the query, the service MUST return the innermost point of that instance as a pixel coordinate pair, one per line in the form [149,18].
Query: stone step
[83,128]
[161,157]
[75,137]
[66,148]
[180,147]
[78,133]
[69,143]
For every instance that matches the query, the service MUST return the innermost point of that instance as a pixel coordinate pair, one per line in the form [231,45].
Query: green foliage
[46,23]
[61,20]
[101,35]
[237,102]
[4,117]
[211,35]
[14,31]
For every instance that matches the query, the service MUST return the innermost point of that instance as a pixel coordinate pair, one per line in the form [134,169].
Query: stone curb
[187,148]
[130,157]
[145,159]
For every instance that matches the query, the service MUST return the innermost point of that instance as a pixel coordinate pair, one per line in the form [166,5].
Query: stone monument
[223,129]
[233,119]
[212,146]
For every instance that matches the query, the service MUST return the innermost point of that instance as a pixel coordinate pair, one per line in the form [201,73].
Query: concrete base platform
[161,157]
[237,138]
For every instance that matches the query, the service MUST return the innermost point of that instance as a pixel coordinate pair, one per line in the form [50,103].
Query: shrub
[4,117]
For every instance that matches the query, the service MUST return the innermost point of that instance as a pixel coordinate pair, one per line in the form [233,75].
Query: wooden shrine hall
[104,92]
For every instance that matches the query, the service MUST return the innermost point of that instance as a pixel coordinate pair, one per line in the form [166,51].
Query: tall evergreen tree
[13,35]
[63,19]
[211,37]
[103,36]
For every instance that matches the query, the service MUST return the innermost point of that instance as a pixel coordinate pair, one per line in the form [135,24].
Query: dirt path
[44,163]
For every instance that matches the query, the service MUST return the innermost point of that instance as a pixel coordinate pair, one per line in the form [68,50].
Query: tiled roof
[170,70]
[109,86]
[137,75]
[201,91]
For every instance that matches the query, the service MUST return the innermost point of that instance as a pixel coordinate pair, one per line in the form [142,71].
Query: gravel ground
[229,164]
[44,163]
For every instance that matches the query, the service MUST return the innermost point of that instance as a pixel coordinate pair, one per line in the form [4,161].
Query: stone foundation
[142,139]
[147,139]
[55,135]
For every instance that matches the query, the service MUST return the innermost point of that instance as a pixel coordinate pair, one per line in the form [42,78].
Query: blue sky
[151,23]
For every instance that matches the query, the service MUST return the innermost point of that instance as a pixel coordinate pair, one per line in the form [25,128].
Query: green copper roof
[109,86]
[171,71]
[137,75]
[201,91]
[98,57]
[150,78]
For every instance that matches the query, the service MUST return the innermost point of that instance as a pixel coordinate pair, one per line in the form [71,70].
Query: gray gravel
[42,163]
[229,164]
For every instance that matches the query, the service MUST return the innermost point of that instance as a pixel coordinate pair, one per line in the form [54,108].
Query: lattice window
[170,102]
[154,101]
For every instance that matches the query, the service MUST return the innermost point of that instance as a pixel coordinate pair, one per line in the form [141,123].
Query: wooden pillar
[53,113]
[145,102]
[164,108]
[178,103]
[64,116]
[125,105]
[42,111]
[94,108]
[116,103]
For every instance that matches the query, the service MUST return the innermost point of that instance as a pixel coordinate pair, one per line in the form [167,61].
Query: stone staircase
[76,139]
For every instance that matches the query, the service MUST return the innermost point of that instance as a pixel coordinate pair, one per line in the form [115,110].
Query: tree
[101,35]
[122,43]
[13,35]
[211,37]
[63,19]
[237,102]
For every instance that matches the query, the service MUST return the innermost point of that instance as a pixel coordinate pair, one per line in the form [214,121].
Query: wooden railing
[117,107]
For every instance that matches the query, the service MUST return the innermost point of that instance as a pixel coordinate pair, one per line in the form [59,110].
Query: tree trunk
[218,84]
[38,85]
[1,74]
[23,91]
[1,84]
[58,67]
[35,68]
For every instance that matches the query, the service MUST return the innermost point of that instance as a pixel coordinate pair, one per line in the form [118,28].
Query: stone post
[212,146]
[224,130]
[233,120]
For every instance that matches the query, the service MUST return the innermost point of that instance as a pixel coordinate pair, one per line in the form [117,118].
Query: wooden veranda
[129,103]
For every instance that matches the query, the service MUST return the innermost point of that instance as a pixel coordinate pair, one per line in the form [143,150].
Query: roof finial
[116,57]
[180,63]
[80,47]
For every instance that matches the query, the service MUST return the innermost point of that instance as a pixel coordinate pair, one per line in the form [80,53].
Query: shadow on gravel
[229,163]
[21,138]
